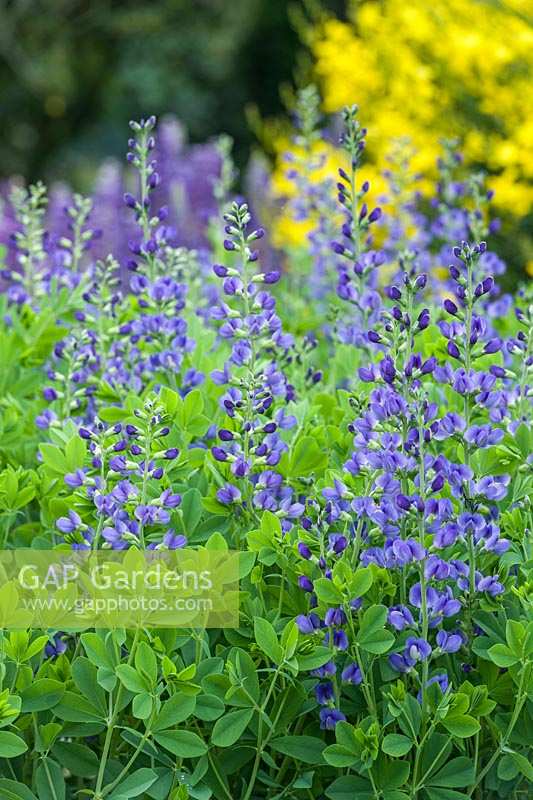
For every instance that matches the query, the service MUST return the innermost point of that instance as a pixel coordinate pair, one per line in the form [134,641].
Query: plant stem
[113,712]
[521,699]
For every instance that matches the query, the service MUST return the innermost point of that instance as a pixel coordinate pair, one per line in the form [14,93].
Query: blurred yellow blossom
[445,68]
[427,71]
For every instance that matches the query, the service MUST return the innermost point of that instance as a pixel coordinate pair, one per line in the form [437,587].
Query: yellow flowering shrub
[439,69]
[429,70]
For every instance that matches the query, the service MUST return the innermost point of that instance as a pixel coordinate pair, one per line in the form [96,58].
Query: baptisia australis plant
[42,260]
[160,296]
[251,444]
[358,272]
[313,204]
[123,497]
[413,504]
[114,349]
[384,648]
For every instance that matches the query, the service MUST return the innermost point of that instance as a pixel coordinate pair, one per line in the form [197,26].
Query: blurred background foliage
[73,72]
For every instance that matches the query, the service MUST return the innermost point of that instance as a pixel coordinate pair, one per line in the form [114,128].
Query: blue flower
[352,674]
[324,693]
[329,717]
[448,642]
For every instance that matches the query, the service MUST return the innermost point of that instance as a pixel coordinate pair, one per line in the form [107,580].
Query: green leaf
[75,453]
[74,708]
[307,749]
[35,647]
[270,525]
[84,674]
[457,772]
[132,680]
[12,790]
[134,785]
[160,790]
[96,650]
[175,710]
[361,582]
[350,787]
[327,592]
[515,634]
[461,725]
[266,638]
[42,695]
[146,663]
[208,707]
[396,744]
[523,765]
[502,656]
[11,745]
[49,780]
[229,728]
[314,660]
[434,793]
[77,758]
[339,756]
[193,406]
[392,774]
[53,458]
[142,705]
[507,769]
[372,636]
[306,458]
[413,713]
[183,744]
[192,509]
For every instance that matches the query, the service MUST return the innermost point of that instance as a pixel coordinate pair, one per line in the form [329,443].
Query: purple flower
[335,616]
[400,617]
[70,523]
[304,551]
[324,693]
[308,624]
[491,585]
[172,453]
[174,541]
[483,435]
[305,583]
[329,718]
[75,479]
[170,500]
[493,346]
[448,642]
[453,350]
[340,640]
[450,307]
[45,419]
[417,649]
[56,646]
[228,494]
[352,674]
[387,370]
[325,671]
[493,487]
[219,454]
[49,394]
